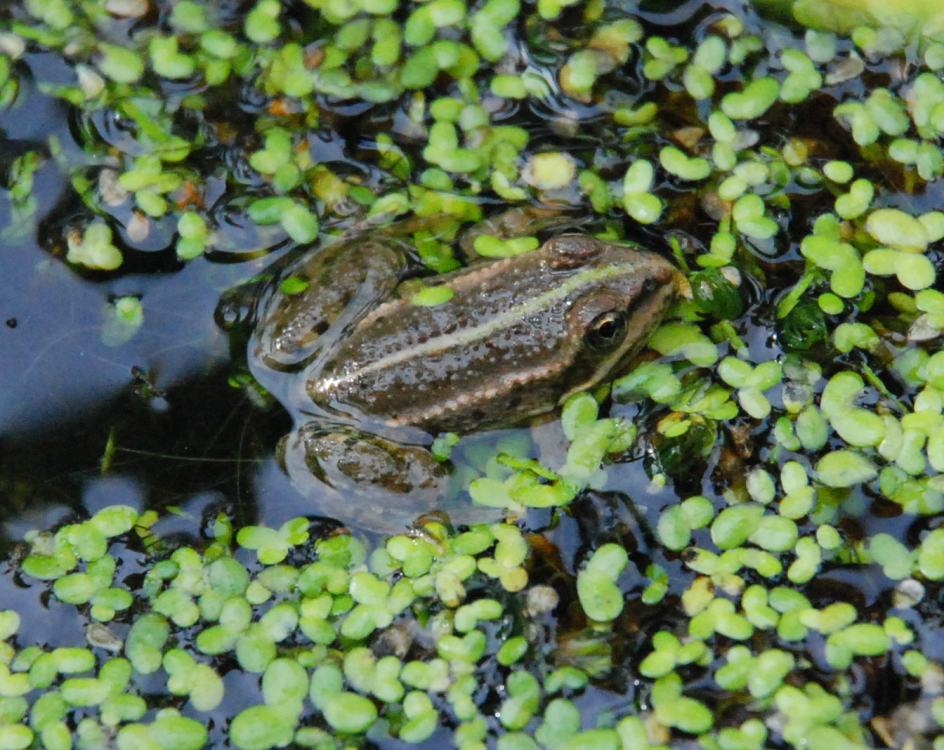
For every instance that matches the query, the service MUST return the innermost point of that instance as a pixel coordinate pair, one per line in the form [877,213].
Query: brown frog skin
[370,375]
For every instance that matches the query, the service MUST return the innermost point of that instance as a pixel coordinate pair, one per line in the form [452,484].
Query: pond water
[157,410]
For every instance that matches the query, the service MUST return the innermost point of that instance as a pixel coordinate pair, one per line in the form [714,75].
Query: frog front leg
[376,482]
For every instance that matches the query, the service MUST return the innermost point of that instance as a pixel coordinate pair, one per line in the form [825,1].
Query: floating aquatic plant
[776,444]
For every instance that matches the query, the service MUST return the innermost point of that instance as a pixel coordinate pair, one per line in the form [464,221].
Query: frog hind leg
[312,302]
[364,479]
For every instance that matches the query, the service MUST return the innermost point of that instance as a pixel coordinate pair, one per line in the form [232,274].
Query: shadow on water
[84,422]
[154,449]
[159,422]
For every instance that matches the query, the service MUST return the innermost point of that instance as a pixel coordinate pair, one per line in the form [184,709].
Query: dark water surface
[162,422]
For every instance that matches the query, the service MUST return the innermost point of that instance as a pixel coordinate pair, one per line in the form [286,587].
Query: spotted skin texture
[510,343]
[339,279]
[517,336]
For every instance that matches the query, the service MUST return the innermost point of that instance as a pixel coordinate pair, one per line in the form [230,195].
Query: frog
[372,374]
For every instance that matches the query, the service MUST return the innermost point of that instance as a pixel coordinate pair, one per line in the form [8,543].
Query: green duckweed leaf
[845,468]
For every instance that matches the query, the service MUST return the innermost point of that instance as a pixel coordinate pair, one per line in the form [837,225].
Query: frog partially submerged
[371,375]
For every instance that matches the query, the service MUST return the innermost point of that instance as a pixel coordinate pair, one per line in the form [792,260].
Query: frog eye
[606,330]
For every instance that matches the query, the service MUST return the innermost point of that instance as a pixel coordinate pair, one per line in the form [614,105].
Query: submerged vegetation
[776,579]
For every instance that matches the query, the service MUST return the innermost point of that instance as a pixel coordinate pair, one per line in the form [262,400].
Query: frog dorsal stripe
[649,312]
[483,331]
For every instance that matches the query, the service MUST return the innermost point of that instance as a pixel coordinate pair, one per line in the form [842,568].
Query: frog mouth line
[483,331]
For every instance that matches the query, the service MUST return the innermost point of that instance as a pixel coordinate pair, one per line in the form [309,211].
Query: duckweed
[122,319]
[662,57]
[639,203]
[676,162]
[803,79]
[93,248]
[840,172]
[432,295]
[751,382]
[913,271]
[753,101]
[489,246]
[844,468]
[889,226]
[750,217]
[596,585]
[810,436]
[550,170]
